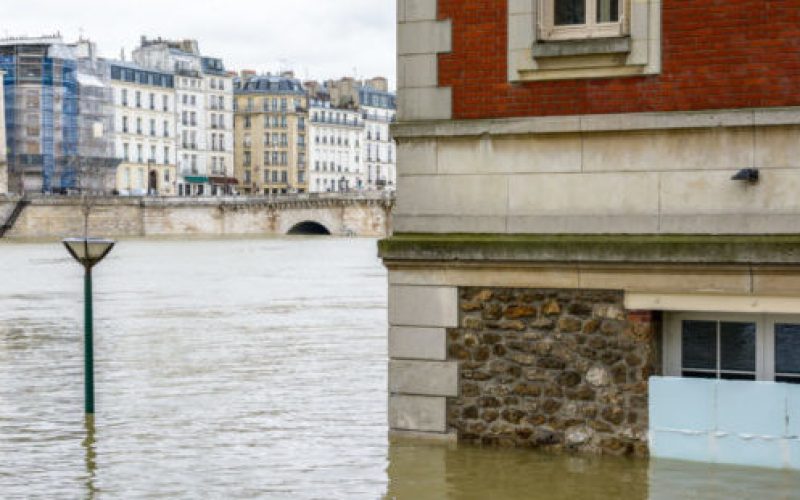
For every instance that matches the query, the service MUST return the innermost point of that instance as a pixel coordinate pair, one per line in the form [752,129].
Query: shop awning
[196,179]
[223,181]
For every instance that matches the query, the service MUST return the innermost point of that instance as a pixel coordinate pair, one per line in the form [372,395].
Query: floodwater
[252,368]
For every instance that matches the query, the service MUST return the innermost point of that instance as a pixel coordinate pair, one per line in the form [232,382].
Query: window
[568,19]
[718,349]
[569,39]
[166,156]
[138,99]
[733,347]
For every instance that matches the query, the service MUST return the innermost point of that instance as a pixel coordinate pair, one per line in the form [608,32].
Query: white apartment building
[378,111]
[204,114]
[335,148]
[144,130]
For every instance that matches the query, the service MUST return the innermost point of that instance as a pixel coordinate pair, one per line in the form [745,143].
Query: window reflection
[569,12]
[607,11]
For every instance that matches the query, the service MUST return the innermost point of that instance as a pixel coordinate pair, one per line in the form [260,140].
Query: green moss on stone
[668,248]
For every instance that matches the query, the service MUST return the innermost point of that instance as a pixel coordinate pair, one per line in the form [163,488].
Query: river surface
[252,368]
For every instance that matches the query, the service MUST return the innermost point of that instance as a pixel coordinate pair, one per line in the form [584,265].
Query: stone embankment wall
[555,369]
[56,217]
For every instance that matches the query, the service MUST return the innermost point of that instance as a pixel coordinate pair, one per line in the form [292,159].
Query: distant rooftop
[268,84]
[32,40]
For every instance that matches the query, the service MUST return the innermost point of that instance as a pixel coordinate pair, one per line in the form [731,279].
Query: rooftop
[268,84]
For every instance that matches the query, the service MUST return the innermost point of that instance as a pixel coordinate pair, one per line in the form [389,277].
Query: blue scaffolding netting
[59,116]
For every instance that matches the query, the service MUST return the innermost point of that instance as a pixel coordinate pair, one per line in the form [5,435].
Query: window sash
[592,29]
[765,344]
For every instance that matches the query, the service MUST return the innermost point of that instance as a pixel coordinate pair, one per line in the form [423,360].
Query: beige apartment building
[270,134]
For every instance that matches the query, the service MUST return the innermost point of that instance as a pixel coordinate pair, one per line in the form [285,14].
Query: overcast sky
[317,38]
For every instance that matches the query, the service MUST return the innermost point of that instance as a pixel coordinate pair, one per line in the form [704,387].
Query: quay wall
[57,217]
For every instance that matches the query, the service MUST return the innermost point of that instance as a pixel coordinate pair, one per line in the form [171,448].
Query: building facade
[270,134]
[144,130]
[58,117]
[3,163]
[204,114]
[596,233]
[335,138]
[378,109]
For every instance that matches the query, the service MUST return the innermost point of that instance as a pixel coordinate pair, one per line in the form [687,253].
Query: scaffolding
[59,116]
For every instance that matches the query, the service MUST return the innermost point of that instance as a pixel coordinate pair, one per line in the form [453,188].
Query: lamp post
[88,252]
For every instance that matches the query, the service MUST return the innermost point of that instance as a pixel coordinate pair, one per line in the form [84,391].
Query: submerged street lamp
[88,252]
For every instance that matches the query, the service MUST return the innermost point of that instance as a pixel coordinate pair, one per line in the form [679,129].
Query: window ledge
[588,46]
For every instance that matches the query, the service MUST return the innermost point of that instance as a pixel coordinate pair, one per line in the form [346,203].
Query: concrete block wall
[730,422]
[420,38]
[420,377]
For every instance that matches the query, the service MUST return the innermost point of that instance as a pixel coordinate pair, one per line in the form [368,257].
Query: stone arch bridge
[366,215]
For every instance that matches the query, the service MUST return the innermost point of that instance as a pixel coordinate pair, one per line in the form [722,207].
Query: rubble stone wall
[553,369]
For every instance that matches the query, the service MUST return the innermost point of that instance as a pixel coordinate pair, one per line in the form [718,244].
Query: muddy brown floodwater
[252,368]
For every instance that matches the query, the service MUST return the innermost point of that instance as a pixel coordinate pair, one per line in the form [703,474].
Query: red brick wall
[716,54]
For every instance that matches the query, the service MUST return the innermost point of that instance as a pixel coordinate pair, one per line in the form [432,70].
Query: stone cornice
[749,117]
[604,249]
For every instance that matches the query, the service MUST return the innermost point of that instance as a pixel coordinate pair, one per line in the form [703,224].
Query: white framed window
[569,39]
[577,19]
[733,346]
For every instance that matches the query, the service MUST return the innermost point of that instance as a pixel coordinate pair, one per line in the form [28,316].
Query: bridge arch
[309,227]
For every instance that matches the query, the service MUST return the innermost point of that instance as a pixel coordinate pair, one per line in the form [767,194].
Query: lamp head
[88,251]
[746,174]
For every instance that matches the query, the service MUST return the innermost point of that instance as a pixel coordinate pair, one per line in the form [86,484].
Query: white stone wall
[636,173]
[420,37]
[420,378]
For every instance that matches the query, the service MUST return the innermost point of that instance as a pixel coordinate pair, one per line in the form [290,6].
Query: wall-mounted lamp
[746,174]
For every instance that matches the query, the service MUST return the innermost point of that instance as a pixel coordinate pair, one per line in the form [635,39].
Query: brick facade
[716,55]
